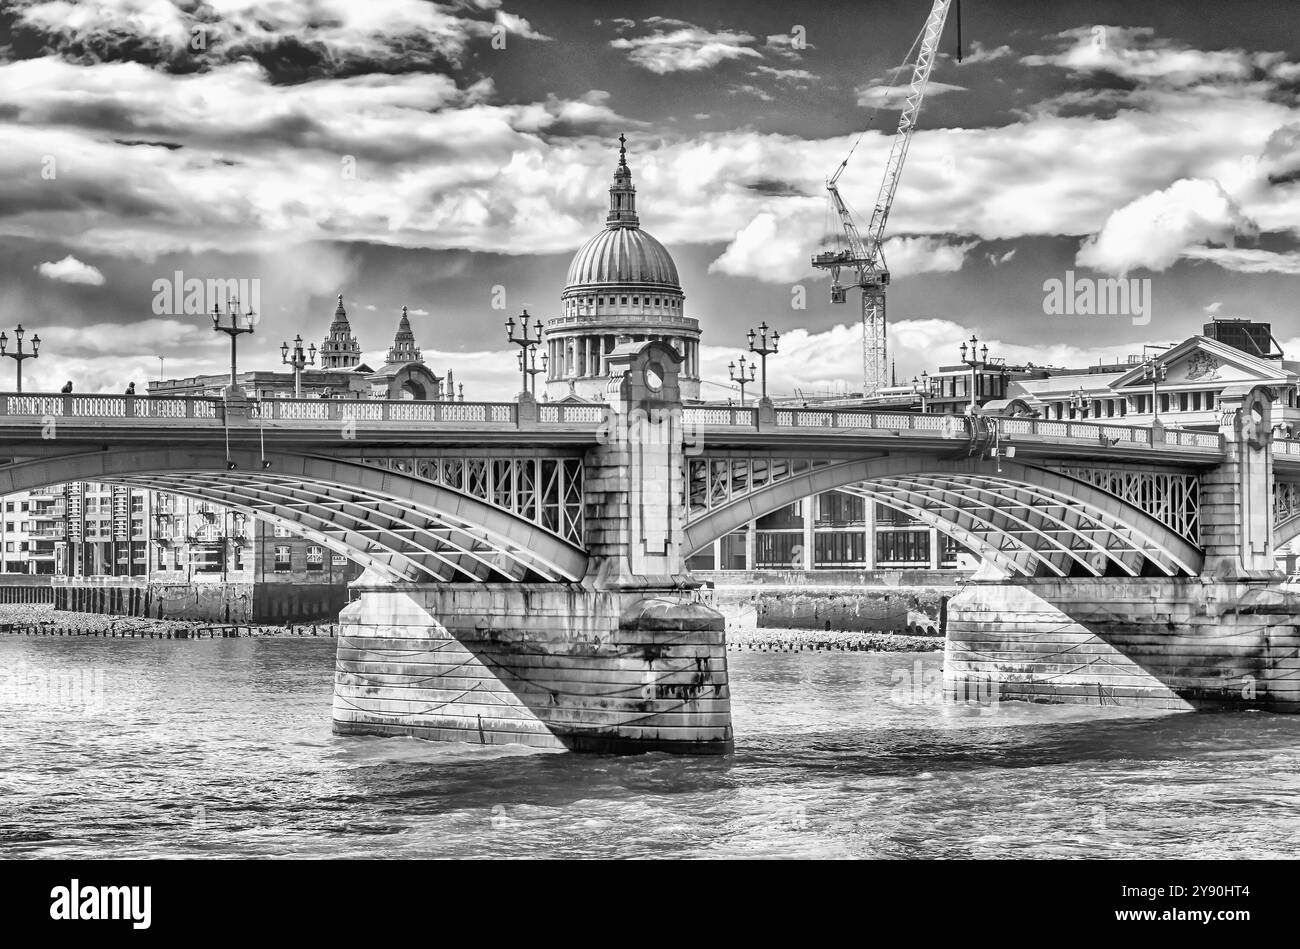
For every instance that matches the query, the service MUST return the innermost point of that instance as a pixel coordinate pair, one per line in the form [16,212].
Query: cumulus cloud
[830,361]
[230,159]
[334,34]
[71,270]
[687,48]
[1158,228]
[1136,53]
[776,249]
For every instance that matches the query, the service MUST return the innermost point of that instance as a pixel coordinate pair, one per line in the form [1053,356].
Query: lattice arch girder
[1028,519]
[1002,535]
[1286,512]
[405,526]
[360,521]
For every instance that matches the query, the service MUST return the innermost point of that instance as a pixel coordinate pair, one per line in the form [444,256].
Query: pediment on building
[1200,360]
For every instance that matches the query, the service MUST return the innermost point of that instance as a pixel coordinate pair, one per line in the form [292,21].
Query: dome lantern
[622,193]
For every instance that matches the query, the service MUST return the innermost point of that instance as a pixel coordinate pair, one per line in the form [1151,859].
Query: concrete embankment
[206,601]
[44,620]
[770,639]
[878,601]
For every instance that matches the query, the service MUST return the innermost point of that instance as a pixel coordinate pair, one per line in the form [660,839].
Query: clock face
[654,377]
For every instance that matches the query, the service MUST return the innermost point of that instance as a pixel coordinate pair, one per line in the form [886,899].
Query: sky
[451,157]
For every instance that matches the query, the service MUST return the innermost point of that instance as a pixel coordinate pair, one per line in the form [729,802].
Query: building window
[282,558]
[839,549]
[1209,400]
[903,547]
[281,531]
[624,299]
[315,558]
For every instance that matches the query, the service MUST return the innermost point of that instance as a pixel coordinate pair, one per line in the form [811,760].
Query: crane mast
[866,256]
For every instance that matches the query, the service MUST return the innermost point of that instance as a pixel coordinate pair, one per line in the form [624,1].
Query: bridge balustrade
[94,406]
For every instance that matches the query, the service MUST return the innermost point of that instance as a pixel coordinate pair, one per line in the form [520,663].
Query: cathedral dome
[622,287]
[622,255]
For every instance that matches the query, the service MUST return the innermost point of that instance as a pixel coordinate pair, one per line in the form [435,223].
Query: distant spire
[404,349]
[340,349]
[622,195]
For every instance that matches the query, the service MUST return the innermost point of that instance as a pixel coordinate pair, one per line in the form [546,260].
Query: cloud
[1248,260]
[330,35]
[979,53]
[748,89]
[248,163]
[1156,229]
[777,250]
[908,256]
[71,270]
[879,95]
[830,361]
[1136,53]
[786,75]
[689,48]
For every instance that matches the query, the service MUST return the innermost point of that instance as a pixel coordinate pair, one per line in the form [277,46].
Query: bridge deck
[129,418]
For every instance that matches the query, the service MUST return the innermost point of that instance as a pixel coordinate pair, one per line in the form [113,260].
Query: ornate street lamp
[740,376]
[978,359]
[299,361]
[927,387]
[234,330]
[762,350]
[18,355]
[1081,403]
[533,369]
[1155,370]
[527,345]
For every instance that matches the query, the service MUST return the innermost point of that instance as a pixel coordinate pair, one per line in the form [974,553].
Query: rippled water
[141,748]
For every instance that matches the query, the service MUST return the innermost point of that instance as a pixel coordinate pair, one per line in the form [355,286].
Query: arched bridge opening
[1029,521]
[395,517]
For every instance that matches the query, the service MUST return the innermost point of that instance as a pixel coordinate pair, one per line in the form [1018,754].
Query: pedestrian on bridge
[67,387]
[130,389]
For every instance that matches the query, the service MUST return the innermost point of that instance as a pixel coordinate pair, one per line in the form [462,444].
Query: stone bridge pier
[1224,639]
[627,660]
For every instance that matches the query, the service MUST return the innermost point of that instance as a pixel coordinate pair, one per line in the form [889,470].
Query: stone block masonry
[546,665]
[1144,643]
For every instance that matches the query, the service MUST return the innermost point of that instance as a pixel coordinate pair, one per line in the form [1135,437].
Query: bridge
[524,562]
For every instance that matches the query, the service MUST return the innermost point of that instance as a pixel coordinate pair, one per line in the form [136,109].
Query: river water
[157,748]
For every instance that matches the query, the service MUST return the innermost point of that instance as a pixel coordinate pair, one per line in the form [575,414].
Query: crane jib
[866,254]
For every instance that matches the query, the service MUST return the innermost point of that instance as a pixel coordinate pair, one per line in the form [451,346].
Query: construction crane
[865,256]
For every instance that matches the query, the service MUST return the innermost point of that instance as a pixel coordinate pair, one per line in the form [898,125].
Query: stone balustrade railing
[506,415]
[951,426]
